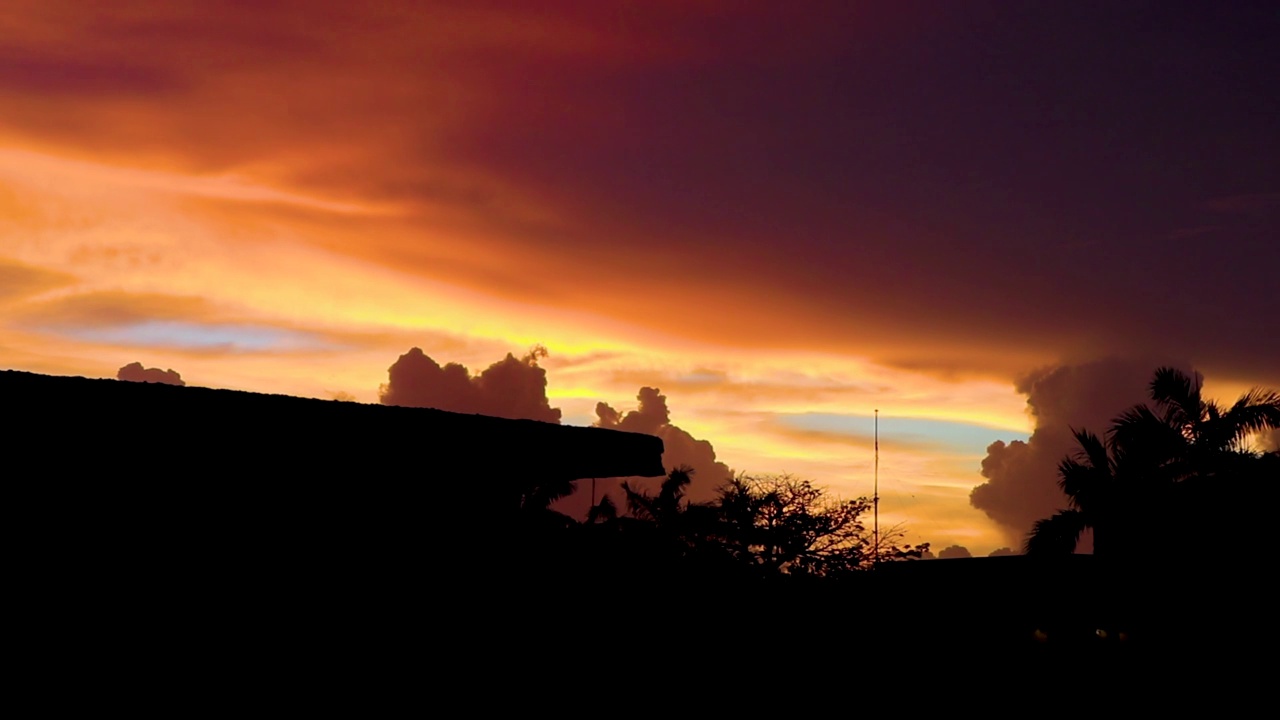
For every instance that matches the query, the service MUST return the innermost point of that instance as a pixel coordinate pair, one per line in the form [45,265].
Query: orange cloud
[19,281]
[509,388]
[112,308]
[135,372]
[145,111]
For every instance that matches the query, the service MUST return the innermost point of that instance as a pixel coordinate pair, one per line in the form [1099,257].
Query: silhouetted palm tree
[1155,467]
[536,499]
[671,523]
[1088,479]
[605,511]
[1188,437]
[665,507]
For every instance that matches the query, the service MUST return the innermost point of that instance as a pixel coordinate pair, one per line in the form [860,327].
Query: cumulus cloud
[954,551]
[514,388]
[1022,477]
[653,417]
[680,448]
[1001,552]
[134,372]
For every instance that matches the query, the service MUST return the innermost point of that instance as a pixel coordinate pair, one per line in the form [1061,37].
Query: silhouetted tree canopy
[784,525]
[768,526]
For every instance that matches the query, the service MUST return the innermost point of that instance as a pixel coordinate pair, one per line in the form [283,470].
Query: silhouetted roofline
[98,422]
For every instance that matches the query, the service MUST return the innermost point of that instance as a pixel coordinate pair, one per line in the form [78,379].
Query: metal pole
[875,496]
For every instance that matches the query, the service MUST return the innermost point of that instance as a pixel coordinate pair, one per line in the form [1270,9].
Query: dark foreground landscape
[220,529]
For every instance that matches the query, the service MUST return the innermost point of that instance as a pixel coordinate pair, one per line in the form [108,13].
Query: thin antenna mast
[875,498]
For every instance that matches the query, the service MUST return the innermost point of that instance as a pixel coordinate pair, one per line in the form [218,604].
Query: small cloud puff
[134,372]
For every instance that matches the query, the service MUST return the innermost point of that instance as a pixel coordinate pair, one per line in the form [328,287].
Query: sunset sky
[781,215]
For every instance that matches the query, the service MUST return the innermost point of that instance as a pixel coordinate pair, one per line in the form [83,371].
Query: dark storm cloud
[953,187]
[80,77]
[1012,162]
[510,388]
[1257,204]
[1022,477]
[135,372]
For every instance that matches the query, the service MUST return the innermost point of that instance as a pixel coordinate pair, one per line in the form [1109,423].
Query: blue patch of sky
[961,436]
[197,336]
[580,419]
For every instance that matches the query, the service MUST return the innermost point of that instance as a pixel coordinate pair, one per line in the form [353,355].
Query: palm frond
[604,511]
[639,504]
[1212,411]
[1057,534]
[543,494]
[1173,388]
[1139,434]
[1255,411]
[1081,483]
[1137,419]
[677,480]
[1093,449]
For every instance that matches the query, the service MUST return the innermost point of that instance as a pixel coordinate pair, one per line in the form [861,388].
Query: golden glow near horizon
[233,290]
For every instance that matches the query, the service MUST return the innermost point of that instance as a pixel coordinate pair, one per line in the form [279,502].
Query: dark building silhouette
[150,431]
[239,524]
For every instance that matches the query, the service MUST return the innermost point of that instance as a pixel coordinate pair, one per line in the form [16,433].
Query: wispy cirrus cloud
[19,281]
[152,320]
